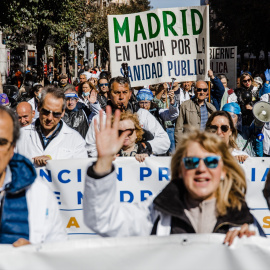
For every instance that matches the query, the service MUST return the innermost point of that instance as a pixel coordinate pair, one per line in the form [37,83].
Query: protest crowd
[68,123]
[208,129]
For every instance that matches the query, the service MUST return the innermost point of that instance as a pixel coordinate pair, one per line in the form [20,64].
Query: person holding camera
[247,96]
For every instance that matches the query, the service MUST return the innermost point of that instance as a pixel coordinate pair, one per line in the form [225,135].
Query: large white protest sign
[223,60]
[182,251]
[161,44]
[135,182]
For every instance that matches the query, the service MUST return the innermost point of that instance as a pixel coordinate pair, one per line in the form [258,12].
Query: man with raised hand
[119,96]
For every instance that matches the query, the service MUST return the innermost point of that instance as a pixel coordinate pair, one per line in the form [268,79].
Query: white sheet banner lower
[136,181]
[185,251]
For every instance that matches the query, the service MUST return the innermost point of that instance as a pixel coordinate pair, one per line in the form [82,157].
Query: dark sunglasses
[210,162]
[202,89]
[214,128]
[245,81]
[4,142]
[103,84]
[131,130]
[47,112]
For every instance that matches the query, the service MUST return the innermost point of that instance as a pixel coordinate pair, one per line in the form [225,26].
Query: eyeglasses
[144,103]
[210,162]
[103,84]
[248,80]
[131,130]
[202,89]
[214,128]
[4,144]
[47,112]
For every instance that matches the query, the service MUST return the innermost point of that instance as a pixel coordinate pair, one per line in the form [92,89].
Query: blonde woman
[206,193]
[133,145]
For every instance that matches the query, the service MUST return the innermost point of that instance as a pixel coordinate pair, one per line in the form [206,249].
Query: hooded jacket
[161,215]
[77,120]
[28,208]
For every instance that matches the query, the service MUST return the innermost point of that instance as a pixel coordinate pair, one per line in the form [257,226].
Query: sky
[173,3]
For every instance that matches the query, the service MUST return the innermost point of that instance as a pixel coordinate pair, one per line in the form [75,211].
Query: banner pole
[209,91]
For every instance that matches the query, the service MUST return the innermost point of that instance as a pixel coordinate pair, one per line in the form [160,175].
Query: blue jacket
[14,210]
[265,89]
[217,92]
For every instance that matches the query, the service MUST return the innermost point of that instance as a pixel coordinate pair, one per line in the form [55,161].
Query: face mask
[39,96]
[86,94]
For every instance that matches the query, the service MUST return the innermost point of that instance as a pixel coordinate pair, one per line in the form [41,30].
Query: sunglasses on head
[245,81]
[210,162]
[214,128]
[131,130]
[47,112]
[202,89]
[103,84]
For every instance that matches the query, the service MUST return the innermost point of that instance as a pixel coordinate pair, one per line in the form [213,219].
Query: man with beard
[63,83]
[194,112]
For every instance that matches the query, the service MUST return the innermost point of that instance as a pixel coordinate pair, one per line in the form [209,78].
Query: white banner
[185,251]
[223,60]
[161,44]
[136,181]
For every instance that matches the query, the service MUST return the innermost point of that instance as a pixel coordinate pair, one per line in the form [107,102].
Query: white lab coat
[183,96]
[67,144]
[34,108]
[45,222]
[160,144]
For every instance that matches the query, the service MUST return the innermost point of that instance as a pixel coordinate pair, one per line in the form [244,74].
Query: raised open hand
[211,74]
[267,75]
[108,142]
[92,98]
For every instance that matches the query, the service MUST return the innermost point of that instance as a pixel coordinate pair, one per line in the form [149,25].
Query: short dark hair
[232,142]
[55,92]
[102,79]
[15,120]
[121,80]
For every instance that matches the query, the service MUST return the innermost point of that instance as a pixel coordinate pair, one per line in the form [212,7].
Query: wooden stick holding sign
[209,91]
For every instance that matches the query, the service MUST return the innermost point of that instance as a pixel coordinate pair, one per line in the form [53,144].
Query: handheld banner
[223,60]
[135,183]
[161,44]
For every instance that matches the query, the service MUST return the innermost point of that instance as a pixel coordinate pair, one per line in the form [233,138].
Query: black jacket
[171,202]
[247,115]
[77,120]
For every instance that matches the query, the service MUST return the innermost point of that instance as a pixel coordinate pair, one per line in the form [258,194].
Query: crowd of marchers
[207,128]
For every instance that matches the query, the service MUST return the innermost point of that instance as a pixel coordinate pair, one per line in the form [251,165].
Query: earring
[222,178]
